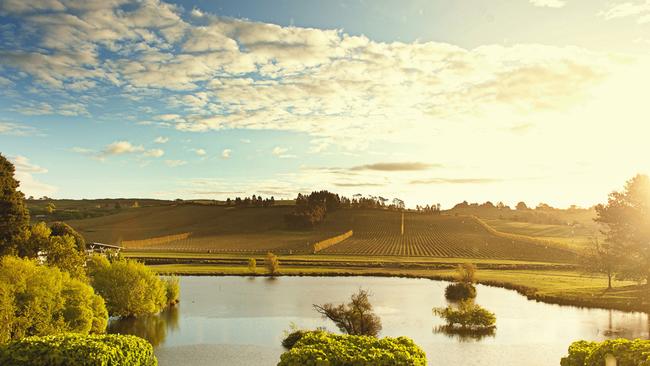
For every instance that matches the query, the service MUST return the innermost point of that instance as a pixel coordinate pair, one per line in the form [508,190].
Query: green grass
[574,236]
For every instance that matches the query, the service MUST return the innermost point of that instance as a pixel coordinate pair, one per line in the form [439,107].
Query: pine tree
[14,217]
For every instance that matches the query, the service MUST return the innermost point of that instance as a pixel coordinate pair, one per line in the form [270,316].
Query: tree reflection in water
[465,334]
[152,327]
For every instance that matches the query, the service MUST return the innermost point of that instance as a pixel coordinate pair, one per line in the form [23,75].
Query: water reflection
[465,334]
[153,328]
[245,317]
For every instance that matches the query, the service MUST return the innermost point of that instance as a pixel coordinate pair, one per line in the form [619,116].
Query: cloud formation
[226,153]
[396,166]
[15,129]
[220,73]
[29,185]
[121,147]
[639,9]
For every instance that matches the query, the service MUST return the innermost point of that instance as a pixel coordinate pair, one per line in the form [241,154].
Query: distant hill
[223,229]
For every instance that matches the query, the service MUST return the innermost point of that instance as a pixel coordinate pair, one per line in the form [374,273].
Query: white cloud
[154,153]
[200,152]
[15,129]
[122,147]
[549,3]
[281,152]
[226,153]
[161,140]
[30,186]
[637,9]
[175,163]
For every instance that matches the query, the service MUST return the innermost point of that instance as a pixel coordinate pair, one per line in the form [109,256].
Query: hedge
[326,349]
[627,353]
[71,349]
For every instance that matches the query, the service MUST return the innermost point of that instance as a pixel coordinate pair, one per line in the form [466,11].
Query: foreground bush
[40,300]
[78,350]
[460,291]
[290,340]
[321,348]
[627,353]
[129,287]
[467,316]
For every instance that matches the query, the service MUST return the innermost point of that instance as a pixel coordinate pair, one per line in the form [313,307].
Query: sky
[430,101]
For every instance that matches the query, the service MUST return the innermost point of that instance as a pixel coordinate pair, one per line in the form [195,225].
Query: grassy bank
[565,287]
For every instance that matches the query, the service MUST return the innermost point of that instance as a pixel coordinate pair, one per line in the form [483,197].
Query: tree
[14,216]
[61,228]
[600,258]
[39,239]
[41,300]
[356,317]
[521,206]
[62,253]
[272,263]
[50,208]
[129,287]
[626,217]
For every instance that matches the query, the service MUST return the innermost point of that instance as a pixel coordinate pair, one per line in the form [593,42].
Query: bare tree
[356,317]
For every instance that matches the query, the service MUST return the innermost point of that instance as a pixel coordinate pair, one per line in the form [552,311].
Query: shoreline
[531,293]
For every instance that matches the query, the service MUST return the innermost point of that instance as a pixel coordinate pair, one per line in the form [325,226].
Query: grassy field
[573,236]
[221,229]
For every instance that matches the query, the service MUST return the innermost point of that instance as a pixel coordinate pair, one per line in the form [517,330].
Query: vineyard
[220,229]
[378,233]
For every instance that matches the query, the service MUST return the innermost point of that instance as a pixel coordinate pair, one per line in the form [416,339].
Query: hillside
[221,229]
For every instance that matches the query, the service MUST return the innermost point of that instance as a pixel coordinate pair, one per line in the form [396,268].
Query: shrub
[578,352]
[290,340]
[40,300]
[321,348]
[252,265]
[627,353]
[78,350]
[467,316]
[129,287]
[173,290]
[466,273]
[460,291]
[272,263]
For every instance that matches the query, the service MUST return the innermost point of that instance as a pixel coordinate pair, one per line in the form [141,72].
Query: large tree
[355,318]
[14,217]
[626,217]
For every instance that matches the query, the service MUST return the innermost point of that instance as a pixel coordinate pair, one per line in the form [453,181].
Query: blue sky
[429,101]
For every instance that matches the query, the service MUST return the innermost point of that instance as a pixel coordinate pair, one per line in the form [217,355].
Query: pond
[240,321]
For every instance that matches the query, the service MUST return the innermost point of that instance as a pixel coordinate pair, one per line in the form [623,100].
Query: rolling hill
[221,229]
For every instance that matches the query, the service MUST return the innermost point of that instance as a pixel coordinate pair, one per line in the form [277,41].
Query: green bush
[467,316]
[460,291]
[37,300]
[173,290]
[78,350]
[321,348]
[290,340]
[130,288]
[627,353]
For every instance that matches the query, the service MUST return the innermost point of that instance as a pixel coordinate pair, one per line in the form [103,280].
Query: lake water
[240,321]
